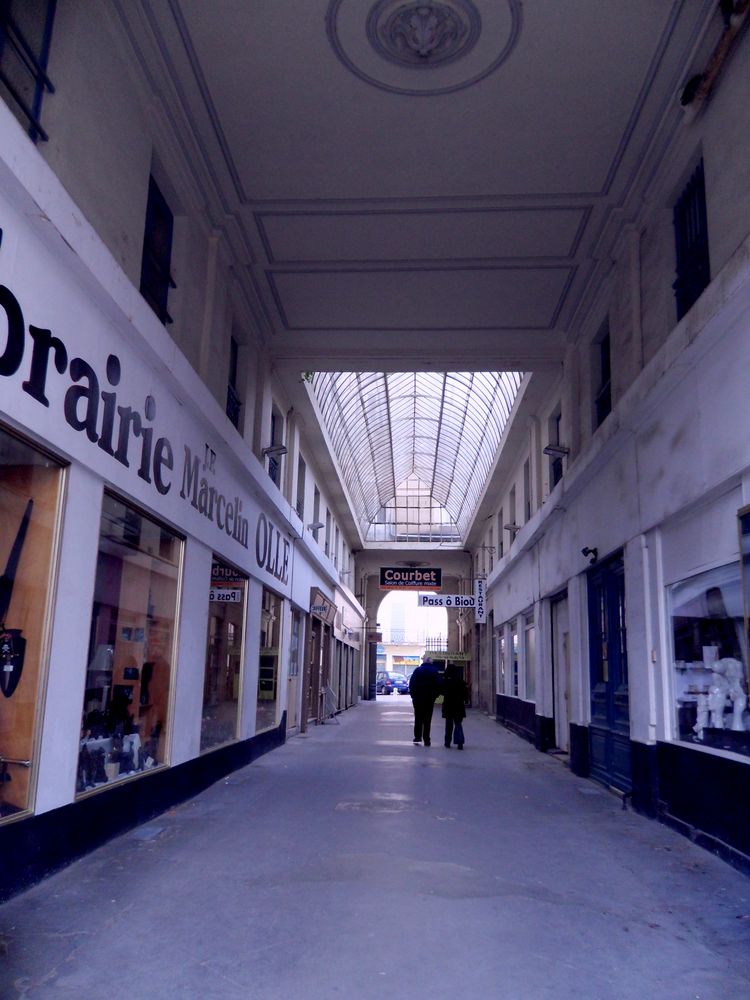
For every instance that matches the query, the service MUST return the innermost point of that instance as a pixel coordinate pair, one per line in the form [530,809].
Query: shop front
[701,779]
[144,582]
[318,658]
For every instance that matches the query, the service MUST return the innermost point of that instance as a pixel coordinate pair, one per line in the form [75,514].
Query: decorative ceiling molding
[418,36]
[423,35]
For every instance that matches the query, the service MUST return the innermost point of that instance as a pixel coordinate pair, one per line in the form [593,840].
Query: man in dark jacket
[424,687]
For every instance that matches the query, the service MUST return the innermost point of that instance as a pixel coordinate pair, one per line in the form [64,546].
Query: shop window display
[268,668]
[501,662]
[30,485]
[514,658]
[710,660]
[131,646]
[226,623]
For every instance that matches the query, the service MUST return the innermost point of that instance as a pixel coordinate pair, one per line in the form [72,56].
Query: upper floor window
[301,474]
[602,376]
[328,533]
[277,434]
[512,525]
[156,279]
[336,549]
[491,548]
[556,461]
[316,512]
[500,535]
[234,403]
[25,33]
[526,491]
[691,243]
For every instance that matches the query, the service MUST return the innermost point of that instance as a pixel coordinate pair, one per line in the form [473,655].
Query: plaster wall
[100,130]
[661,479]
[107,135]
[66,674]
[249,694]
[190,656]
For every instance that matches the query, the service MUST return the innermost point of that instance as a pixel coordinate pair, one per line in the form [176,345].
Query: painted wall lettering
[91,406]
[212,504]
[87,408]
[271,549]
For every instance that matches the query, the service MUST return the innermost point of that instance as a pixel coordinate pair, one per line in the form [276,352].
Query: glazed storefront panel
[30,491]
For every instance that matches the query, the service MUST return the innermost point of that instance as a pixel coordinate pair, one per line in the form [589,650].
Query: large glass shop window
[268,671]
[131,647]
[529,660]
[710,660]
[29,499]
[502,666]
[226,626]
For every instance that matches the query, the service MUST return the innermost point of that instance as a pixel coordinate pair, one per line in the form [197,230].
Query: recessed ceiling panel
[300,124]
[403,299]
[543,232]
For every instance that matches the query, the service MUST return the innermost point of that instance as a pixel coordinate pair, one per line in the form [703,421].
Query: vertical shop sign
[480,606]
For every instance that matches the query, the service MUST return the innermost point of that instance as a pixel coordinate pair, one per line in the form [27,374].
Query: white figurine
[702,716]
[733,672]
[717,693]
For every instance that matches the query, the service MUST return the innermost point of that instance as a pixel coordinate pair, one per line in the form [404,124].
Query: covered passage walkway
[350,863]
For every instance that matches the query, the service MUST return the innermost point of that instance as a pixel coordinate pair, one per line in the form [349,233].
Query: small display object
[711,651]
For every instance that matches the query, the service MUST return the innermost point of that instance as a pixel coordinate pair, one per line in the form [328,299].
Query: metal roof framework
[415,449]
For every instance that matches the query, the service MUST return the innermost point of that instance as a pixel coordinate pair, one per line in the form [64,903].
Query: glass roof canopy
[415,449]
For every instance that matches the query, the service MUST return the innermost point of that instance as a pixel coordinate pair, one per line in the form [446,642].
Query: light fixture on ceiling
[592,553]
[315,525]
[412,564]
[275,450]
[512,527]
[556,450]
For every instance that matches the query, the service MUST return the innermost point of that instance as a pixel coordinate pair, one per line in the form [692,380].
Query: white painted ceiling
[373,221]
[401,218]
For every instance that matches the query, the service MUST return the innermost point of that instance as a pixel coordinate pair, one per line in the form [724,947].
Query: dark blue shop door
[609,732]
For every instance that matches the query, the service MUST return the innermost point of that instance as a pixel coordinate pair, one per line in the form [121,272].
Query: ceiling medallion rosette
[423,35]
[422,49]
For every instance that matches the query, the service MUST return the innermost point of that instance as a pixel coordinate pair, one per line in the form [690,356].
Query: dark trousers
[450,724]
[422,717]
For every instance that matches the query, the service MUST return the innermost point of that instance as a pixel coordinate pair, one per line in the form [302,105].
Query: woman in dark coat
[455,694]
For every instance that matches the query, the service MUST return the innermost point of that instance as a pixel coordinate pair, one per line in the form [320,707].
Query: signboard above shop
[475,602]
[446,601]
[321,606]
[410,577]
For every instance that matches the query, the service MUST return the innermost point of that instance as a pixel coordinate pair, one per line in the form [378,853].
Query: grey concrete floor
[350,863]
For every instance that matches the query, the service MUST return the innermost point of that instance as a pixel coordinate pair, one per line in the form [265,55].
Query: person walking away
[455,696]
[424,687]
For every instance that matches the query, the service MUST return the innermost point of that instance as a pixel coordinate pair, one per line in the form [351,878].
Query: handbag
[458,733]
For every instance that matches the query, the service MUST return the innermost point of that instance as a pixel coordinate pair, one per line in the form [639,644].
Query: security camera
[591,553]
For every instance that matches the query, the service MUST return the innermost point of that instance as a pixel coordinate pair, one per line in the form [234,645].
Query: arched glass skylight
[415,448]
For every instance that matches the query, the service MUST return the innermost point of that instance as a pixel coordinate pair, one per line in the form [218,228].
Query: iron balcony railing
[22,69]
